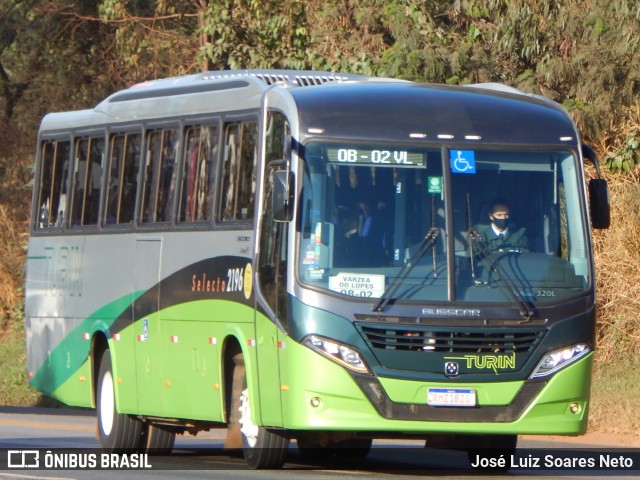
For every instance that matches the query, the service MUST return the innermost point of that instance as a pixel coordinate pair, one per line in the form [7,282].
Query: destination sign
[391,157]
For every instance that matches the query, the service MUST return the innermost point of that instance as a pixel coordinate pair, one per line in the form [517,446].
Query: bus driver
[502,234]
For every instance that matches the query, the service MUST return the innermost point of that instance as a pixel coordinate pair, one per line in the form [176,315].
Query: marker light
[339,353]
[559,359]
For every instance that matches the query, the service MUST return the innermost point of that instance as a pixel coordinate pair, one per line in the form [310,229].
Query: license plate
[451,397]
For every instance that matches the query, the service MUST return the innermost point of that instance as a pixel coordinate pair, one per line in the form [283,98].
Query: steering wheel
[506,248]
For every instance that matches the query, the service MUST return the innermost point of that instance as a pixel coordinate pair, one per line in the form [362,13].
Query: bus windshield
[495,226]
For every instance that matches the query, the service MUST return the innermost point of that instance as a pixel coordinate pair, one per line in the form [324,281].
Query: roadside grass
[615,395]
[615,392]
[14,388]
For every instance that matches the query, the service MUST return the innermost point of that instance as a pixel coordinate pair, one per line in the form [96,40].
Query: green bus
[297,255]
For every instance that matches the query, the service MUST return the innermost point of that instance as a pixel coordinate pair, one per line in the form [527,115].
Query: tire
[117,432]
[157,440]
[262,448]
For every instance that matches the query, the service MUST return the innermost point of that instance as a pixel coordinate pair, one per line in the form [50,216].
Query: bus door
[272,277]
[272,280]
[148,342]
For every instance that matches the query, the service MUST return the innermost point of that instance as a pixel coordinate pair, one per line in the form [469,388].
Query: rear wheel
[262,447]
[117,432]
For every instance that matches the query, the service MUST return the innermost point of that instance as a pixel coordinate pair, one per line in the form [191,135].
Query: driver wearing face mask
[502,234]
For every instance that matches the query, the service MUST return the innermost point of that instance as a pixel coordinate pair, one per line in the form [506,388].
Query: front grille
[450,340]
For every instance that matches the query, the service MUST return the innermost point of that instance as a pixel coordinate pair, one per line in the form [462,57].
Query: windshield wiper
[427,242]
[526,309]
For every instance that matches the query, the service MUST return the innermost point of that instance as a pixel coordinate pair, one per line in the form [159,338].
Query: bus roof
[336,103]
[439,113]
[201,93]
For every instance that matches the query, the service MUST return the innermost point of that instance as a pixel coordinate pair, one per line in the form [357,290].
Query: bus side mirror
[283,196]
[599,206]
[599,203]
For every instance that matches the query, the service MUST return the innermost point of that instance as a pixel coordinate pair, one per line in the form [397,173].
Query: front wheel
[117,432]
[262,447]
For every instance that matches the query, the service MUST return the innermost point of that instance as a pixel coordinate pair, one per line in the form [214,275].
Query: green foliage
[420,39]
[346,36]
[627,156]
[251,33]
[150,39]
[61,56]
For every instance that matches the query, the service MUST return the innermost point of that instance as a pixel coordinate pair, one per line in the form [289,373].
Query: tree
[583,55]
[254,33]
[152,39]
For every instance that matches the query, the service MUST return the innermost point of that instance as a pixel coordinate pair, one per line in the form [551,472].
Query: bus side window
[158,171]
[166,180]
[130,177]
[85,192]
[113,182]
[239,171]
[52,197]
[94,181]
[122,183]
[200,152]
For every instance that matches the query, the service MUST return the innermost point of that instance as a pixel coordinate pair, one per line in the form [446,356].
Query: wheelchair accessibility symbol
[463,161]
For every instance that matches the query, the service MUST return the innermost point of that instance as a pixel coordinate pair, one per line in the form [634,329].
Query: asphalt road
[202,456]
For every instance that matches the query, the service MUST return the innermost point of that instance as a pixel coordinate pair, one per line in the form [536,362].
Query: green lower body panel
[76,389]
[167,364]
[170,363]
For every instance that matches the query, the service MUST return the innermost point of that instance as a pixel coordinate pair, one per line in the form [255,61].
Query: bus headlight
[339,353]
[559,359]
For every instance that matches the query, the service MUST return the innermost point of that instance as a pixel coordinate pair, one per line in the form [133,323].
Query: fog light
[575,408]
[315,402]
